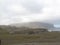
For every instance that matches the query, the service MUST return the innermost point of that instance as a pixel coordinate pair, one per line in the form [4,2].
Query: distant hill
[23,28]
[34,25]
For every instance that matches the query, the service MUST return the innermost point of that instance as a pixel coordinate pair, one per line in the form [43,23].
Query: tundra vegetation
[13,35]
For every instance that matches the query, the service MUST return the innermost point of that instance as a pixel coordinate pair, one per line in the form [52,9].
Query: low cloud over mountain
[34,25]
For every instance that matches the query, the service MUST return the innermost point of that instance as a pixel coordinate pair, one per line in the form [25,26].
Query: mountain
[29,27]
[34,25]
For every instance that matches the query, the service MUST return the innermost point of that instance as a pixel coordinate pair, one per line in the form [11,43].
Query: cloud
[13,11]
[33,6]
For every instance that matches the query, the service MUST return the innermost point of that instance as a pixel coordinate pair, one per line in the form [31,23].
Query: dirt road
[38,44]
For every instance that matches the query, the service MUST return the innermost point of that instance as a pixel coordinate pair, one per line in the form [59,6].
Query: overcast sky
[14,11]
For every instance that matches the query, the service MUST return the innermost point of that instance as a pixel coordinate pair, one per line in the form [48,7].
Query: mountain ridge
[34,25]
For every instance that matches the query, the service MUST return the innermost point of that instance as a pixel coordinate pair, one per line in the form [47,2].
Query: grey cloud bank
[14,11]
